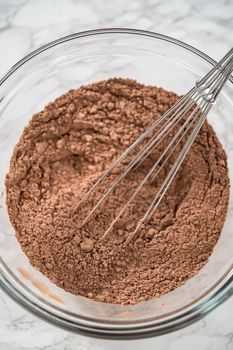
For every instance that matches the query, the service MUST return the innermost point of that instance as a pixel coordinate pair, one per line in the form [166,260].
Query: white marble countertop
[27,24]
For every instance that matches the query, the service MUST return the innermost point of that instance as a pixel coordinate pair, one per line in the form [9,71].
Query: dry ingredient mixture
[63,151]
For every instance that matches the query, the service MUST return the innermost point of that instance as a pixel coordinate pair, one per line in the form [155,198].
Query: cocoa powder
[65,148]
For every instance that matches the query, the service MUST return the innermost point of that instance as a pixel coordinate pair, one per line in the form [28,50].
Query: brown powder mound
[64,150]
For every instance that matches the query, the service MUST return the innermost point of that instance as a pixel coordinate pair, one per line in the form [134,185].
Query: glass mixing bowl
[68,63]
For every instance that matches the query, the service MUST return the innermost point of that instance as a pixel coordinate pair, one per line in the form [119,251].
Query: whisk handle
[211,84]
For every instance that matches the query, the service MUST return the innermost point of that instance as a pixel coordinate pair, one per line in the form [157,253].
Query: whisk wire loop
[184,119]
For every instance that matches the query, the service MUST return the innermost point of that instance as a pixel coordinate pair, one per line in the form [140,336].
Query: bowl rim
[114,30]
[123,330]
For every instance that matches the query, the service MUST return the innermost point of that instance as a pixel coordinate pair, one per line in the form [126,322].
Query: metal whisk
[193,108]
